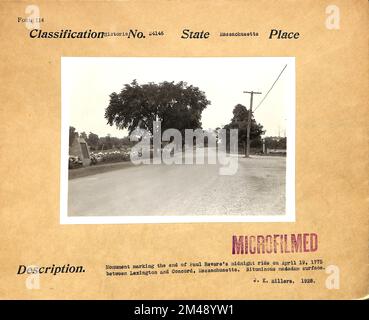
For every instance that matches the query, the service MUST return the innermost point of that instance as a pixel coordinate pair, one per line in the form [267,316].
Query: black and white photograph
[155,140]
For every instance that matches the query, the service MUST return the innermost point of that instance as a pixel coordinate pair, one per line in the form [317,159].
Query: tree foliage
[72,134]
[176,105]
[276,142]
[83,135]
[239,121]
[93,140]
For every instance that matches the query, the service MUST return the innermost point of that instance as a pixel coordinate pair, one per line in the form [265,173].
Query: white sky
[88,82]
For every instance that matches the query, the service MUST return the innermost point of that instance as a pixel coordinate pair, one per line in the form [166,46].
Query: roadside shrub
[109,156]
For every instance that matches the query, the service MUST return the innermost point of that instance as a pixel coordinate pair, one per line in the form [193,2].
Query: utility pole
[249,117]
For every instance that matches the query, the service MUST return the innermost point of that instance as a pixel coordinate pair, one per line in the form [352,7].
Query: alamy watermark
[170,147]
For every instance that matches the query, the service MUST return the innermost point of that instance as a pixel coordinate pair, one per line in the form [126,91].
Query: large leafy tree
[239,121]
[176,105]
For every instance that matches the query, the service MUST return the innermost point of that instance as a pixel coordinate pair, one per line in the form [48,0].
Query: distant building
[80,149]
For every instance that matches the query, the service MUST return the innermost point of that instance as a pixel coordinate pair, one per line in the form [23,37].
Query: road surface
[257,188]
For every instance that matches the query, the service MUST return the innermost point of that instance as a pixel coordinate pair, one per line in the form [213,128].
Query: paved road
[258,188]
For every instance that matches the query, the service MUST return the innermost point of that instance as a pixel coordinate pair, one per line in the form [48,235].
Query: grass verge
[96,169]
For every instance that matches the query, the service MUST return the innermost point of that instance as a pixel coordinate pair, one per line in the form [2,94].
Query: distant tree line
[97,143]
[276,142]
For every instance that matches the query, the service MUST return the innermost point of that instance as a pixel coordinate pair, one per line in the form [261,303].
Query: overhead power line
[270,88]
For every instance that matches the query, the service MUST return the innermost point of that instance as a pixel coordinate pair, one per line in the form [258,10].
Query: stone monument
[80,149]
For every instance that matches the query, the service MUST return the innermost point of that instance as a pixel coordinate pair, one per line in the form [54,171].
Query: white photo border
[289,216]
